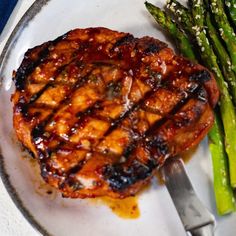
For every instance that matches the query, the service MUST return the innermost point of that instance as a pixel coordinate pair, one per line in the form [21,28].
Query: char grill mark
[122,178]
[122,116]
[32,59]
[160,143]
[113,125]
[52,79]
[90,111]
[39,129]
[111,111]
[33,103]
[79,115]
[29,64]
[200,76]
[53,83]
[127,39]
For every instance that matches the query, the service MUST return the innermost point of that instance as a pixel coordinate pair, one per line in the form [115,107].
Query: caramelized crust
[101,110]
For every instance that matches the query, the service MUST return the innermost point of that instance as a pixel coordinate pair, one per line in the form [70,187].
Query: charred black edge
[152,48]
[75,185]
[201,76]
[151,45]
[28,66]
[28,16]
[119,178]
[128,38]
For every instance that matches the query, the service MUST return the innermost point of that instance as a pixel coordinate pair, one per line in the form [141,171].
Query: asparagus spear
[226,106]
[169,25]
[225,203]
[166,22]
[209,59]
[231,5]
[223,192]
[226,32]
[184,17]
[223,58]
[181,13]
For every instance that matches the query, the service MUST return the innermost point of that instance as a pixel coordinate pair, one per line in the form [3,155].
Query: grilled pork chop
[101,110]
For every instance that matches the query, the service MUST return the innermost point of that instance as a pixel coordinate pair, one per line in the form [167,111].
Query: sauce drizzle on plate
[126,208]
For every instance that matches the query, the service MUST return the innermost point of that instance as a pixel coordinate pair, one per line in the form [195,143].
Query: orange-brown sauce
[126,208]
[187,155]
[159,178]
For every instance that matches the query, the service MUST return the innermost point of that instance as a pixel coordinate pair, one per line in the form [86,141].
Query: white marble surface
[12,223]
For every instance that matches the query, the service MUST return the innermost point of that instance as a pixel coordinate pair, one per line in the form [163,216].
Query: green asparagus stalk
[225,203]
[181,13]
[223,192]
[226,106]
[231,5]
[226,31]
[185,18]
[166,22]
[210,60]
[223,58]
[169,25]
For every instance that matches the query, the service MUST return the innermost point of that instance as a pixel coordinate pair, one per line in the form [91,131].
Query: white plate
[51,214]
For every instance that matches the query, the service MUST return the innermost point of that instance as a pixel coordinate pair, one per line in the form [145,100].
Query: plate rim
[30,13]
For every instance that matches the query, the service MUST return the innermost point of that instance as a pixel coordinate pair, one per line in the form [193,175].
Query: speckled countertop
[12,222]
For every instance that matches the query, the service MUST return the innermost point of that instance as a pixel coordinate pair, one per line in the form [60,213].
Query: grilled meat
[101,110]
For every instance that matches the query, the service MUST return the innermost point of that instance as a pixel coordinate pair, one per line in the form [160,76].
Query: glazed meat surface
[101,110]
